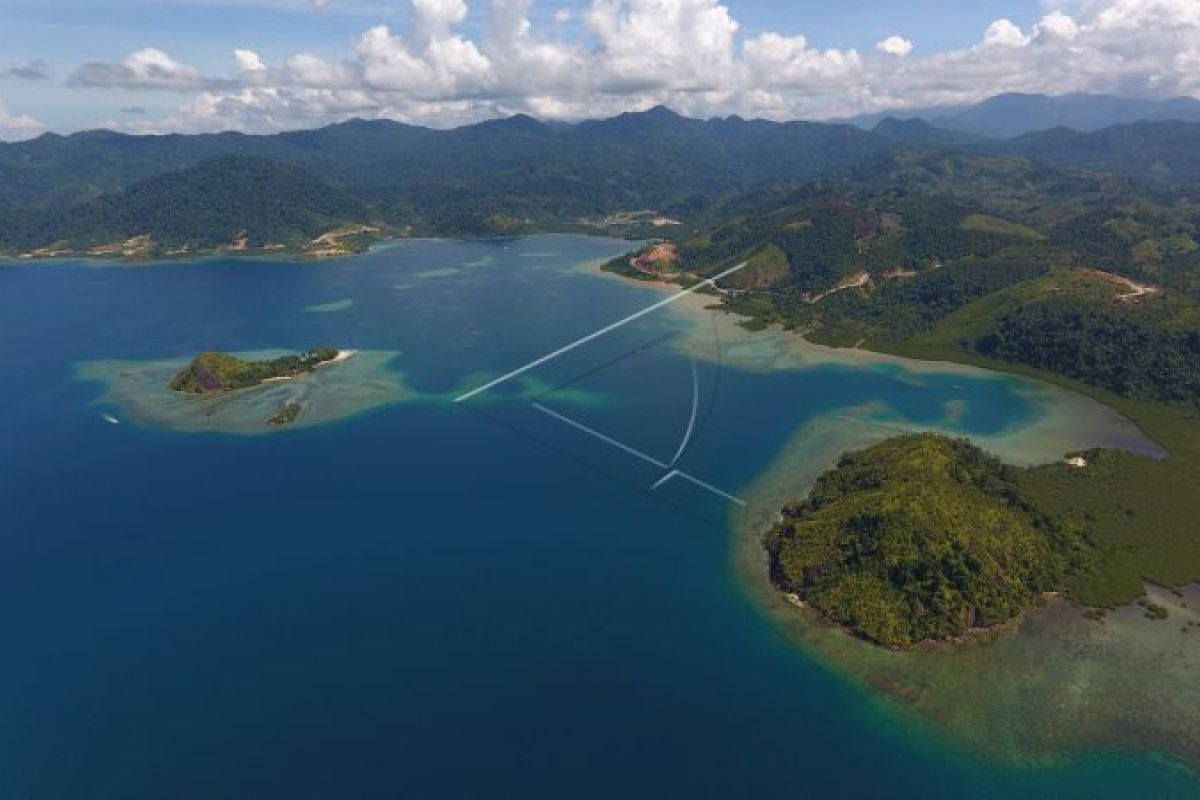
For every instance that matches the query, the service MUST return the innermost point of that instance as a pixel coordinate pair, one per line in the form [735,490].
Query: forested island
[921,538]
[213,372]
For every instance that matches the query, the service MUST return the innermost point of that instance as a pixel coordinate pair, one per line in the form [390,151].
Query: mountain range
[94,189]
[1006,116]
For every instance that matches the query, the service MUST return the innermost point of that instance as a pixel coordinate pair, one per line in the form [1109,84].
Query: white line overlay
[691,426]
[606,439]
[593,336]
[672,473]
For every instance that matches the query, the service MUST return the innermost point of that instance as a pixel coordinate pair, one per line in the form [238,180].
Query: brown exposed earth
[859,280]
[1137,291]
[658,260]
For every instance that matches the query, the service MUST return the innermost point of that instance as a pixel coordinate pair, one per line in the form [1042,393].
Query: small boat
[109,418]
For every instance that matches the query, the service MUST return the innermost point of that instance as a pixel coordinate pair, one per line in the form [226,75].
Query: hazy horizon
[262,66]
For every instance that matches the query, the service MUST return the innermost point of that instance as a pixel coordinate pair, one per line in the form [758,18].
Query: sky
[162,66]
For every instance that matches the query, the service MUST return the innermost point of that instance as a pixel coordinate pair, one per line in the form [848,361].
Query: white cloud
[249,62]
[775,61]
[309,70]
[434,18]
[444,66]
[687,45]
[689,54]
[895,46]
[1004,33]
[18,126]
[148,68]
[1058,25]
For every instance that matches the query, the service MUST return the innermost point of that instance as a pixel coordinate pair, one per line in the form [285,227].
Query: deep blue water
[424,601]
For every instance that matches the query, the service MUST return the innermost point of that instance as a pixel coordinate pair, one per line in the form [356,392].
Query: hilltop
[920,538]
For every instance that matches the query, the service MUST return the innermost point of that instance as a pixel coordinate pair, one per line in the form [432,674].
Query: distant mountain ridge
[635,158]
[1007,116]
[1150,153]
[501,177]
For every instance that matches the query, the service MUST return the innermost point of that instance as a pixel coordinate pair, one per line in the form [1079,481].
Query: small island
[920,539]
[213,372]
[250,392]
[286,415]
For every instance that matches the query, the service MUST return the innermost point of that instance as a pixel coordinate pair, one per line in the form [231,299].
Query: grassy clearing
[985,223]
[765,267]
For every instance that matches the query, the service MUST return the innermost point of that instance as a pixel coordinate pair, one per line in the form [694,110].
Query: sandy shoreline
[343,355]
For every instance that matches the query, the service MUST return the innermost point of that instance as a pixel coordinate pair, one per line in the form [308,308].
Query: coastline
[366,380]
[1052,687]
[341,357]
[996,694]
[285,255]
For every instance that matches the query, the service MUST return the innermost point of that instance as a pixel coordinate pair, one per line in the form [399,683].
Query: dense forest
[920,538]
[1082,274]
[517,175]
[214,203]
[1116,351]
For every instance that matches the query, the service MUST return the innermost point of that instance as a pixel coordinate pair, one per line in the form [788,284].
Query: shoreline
[341,357]
[366,380]
[999,694]
[924,688]
[285,255]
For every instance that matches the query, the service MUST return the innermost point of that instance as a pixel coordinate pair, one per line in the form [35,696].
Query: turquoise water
[430,600]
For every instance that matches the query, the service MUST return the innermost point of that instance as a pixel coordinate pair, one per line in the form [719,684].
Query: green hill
[220,372]
[919,538]
[995,255]
[212,204]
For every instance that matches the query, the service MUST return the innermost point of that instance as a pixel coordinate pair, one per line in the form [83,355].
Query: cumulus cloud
[689,54]
[19,125]
[249,62]
[895,46]
[434,64]
[787,62]
[1004,33]
[1057,24]
[661,44]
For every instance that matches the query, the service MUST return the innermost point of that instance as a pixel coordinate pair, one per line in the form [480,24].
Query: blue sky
[946,50]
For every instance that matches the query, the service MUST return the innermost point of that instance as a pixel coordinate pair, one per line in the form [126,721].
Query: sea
[530,593]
